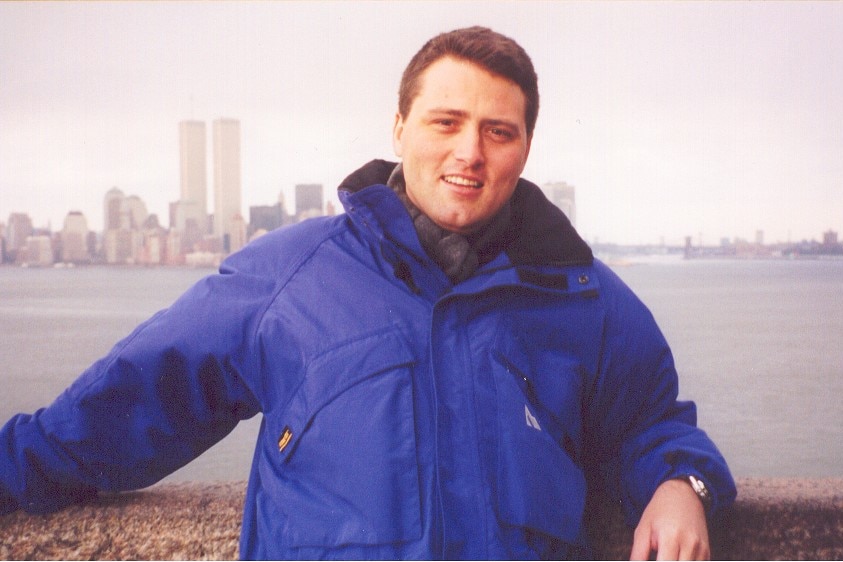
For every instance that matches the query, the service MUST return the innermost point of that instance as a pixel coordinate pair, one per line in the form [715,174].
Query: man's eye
[501,133]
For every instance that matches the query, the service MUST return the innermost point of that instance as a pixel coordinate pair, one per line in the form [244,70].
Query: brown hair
[495,52]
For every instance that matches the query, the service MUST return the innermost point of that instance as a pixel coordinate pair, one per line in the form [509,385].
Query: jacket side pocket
[540,487]
[349,472]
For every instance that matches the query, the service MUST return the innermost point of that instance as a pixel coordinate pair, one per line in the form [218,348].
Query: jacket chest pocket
[348,472]
[541,488]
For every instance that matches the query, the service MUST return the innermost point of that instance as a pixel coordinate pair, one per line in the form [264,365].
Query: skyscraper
[39,250]
[74,238]
[194,174]
[308,200]
[133,213]
[226,179]
[112,204]
[266,217]
[124,217]
[18,230]
[562,195]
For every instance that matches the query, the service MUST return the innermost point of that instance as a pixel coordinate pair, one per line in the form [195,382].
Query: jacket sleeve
[162,396]
[640,433]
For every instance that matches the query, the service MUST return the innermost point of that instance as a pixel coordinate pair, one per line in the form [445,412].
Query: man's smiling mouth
[463,182]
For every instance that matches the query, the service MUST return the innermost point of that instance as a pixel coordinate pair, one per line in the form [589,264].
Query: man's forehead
[463,65]
[439,92]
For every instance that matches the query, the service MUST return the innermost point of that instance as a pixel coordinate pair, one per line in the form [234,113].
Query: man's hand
[673,525]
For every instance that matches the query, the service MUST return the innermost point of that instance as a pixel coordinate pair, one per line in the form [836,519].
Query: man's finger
[695,549]
[669,551]
[641,547]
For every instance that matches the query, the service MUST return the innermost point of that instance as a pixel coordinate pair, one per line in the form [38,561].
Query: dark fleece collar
[538,232]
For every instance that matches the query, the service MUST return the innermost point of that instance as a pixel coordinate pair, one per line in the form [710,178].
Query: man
[444,371]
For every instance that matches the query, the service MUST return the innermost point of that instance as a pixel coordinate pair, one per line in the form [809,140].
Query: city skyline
[225,170]
[670,119]
[310,202]
[132,235]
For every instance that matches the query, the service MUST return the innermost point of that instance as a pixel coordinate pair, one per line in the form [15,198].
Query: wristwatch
[700,489]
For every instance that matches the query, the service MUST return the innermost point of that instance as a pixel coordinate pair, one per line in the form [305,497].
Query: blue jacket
[403,417]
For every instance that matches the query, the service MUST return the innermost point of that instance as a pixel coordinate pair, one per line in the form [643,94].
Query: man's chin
[458,225]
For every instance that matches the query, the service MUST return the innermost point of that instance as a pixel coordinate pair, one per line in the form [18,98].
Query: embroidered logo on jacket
[284,440]
[531,419]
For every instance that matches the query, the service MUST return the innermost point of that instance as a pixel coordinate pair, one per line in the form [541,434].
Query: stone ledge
[193,521]
[774,519]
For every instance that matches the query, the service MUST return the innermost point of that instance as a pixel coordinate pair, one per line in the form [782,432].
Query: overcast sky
[670,119]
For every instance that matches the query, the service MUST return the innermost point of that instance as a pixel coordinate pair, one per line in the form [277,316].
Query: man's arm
[177,385]
[646,438]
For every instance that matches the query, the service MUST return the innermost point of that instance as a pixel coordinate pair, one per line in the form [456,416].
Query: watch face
[700,489]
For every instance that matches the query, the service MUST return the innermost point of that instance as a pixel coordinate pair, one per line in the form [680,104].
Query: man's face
[463,144]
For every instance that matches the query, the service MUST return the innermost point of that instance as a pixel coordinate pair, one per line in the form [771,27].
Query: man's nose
[469,148]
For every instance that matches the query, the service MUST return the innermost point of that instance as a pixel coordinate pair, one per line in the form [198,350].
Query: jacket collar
[539,233]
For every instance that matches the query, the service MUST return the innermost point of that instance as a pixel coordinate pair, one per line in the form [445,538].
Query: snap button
[583,279]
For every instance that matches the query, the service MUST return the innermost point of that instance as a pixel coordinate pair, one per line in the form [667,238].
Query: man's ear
[397,130]
[529,145]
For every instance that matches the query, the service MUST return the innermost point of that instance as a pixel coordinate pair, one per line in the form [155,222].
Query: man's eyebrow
[447,111]
[500,123]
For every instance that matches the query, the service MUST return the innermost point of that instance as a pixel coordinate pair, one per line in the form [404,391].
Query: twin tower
[190,213]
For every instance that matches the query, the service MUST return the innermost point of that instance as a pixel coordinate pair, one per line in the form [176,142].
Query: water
[757,345]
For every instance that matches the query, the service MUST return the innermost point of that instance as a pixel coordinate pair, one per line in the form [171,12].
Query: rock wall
[773,519]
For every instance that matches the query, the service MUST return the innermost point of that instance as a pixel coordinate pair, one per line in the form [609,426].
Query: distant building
[133,213]
[155,243]
[18,229]
[191,225]
[562,195]
[74,238]
[124,220]
[189,219]
[112,206]
[268,217]
[227,191]
[93,244]
[265,217]
[39,251]
[309,200]
[174,255]
[154,249]
[122,246]
[193,166]
[829,238]
[238,237]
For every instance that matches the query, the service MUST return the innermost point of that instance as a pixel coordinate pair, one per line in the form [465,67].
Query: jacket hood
[539,233]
